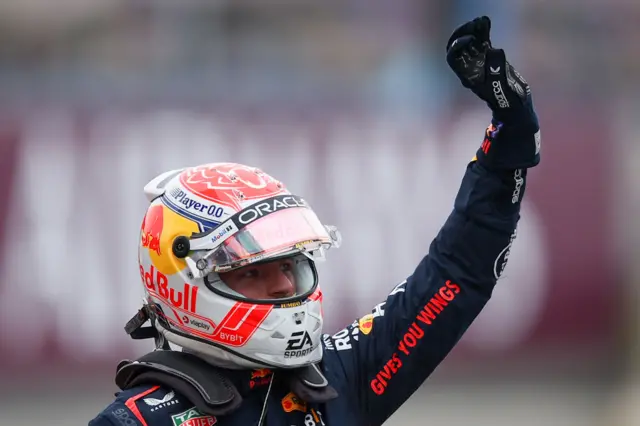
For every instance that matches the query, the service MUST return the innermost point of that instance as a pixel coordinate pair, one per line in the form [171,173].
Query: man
[227,259]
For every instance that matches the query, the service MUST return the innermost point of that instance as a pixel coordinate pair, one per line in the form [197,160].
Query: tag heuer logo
[193,417]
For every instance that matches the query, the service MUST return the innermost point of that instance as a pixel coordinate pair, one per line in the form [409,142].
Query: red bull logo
[160,227]
[260,373]
[152,228]
[260,377]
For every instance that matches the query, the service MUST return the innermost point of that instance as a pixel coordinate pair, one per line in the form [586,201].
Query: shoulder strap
[212,392]
[310,384]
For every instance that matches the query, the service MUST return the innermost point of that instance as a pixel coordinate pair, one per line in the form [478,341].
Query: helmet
[215,218]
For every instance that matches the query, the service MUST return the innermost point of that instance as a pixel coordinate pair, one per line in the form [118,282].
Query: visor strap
[243,218]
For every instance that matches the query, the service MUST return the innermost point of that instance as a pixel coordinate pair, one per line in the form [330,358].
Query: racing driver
[227,262]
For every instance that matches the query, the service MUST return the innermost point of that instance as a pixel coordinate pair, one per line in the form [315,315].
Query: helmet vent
[277,335]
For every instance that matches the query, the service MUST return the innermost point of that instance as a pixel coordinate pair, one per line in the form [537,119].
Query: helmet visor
[300,280]
[279,233]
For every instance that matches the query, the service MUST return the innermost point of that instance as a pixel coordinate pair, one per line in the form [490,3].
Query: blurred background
[352,105]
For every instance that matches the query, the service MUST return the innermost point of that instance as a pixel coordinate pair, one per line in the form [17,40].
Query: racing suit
[377,362]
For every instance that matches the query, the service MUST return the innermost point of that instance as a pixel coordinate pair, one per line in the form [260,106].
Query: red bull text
[158,284]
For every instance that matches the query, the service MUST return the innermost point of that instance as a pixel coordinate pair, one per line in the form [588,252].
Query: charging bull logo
[152,228]
[260,373]
[229,184]
[160,227]
[260,377]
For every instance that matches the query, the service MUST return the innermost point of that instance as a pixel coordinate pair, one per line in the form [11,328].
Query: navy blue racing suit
[378,361]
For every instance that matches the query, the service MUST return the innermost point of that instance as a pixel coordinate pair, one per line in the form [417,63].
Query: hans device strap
[206,386]
[212,393]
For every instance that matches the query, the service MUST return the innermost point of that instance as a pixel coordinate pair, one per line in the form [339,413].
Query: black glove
[485,71]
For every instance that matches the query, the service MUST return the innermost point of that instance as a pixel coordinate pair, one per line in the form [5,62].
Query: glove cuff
[511,144]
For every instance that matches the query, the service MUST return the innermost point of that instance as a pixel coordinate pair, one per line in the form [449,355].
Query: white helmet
[215,218]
